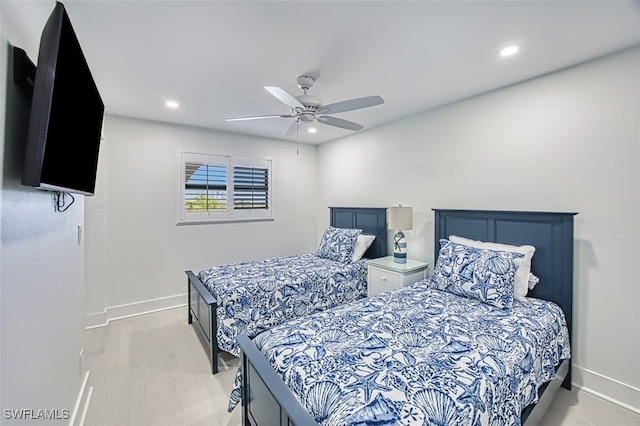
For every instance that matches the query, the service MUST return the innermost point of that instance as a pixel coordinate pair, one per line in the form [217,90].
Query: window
[224,188]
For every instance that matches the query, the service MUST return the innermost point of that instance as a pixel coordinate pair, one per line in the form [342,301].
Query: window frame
[229,214]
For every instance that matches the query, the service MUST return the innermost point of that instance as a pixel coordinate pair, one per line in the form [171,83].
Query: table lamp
[400,218]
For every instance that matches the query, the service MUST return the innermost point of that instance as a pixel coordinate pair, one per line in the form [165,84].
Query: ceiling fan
[307,108]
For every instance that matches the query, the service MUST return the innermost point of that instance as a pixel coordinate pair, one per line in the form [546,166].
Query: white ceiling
[215,57]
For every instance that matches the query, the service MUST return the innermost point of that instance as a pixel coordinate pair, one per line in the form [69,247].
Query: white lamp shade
[401,218]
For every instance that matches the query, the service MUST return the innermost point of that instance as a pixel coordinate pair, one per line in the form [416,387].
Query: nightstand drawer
[385,274]
[385,278]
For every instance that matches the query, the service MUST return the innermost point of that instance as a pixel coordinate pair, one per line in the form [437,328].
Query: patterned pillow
[521,279]
[483,274]
[338,244]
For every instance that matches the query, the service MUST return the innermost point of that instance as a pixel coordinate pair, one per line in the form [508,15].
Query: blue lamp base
[399,248]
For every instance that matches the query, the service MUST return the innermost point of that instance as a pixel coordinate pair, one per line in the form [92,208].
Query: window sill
[216,221]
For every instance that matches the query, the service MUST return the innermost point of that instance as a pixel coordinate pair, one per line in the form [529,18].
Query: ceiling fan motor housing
[310,102]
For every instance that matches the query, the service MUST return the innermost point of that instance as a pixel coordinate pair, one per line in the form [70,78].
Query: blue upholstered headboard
[550,233]
[372,220]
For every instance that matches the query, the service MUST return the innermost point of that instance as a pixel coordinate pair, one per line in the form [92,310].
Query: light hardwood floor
[152,370]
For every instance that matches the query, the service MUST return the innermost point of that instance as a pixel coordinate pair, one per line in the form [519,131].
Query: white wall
[569,141]
[41,268]
[136,254]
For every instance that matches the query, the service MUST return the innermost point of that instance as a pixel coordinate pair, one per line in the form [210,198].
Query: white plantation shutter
[250,188]
[224,188]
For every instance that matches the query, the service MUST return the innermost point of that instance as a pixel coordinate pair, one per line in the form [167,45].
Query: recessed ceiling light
[172,104]
[509,50]
[312,130]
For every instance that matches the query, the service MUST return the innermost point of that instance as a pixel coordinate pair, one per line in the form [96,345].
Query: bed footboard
[266,400]
[532,414]
[201,313]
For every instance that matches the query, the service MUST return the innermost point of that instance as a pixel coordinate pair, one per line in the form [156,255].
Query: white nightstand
[385,275]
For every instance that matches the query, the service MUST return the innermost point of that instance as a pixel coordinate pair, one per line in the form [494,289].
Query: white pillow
[362,244]
[533,280]
[522,275]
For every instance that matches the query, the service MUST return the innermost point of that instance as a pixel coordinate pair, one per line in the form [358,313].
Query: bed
[393,358]
[248,297]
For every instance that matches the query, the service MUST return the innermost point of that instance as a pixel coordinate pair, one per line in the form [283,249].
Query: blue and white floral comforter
[257,295]
[418,356]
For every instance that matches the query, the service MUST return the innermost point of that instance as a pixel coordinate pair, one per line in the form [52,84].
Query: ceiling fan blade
[284,97]
[351,105]
[259,117]
[339,122]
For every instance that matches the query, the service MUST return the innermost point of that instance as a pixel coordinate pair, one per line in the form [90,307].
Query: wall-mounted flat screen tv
[65,125]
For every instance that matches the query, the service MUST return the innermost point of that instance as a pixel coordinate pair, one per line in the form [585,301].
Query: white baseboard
[86,407]
[82,396]
[94,320]
[607,388]
[111,313]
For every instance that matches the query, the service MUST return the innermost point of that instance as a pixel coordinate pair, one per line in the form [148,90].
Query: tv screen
[65,125]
